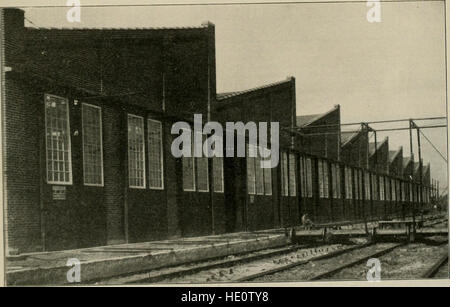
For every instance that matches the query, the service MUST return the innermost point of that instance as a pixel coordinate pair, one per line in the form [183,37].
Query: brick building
[259,198]
[87,117]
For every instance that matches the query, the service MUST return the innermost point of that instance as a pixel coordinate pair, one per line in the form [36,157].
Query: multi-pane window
[367,186]
[309,177]
[259,179]
[404,191]
[348,183]
[375,192]
[188,165]
[155,154]
[57,130]
[333,181]
[320,173]
[196,172]
[356,177]
[218,174]
[284,174]
[305,177]
[360,186]
[302,177]
[92,145]
[268,181]
[136,152]
[251,178]
[336,180]
[323,179]
[292,175]
[202,171]
[411,195]
[381,179]
[388,189]
[394,190]
[259,174]
[267,172]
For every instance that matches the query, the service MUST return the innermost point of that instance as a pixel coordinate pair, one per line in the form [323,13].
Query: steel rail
[301,262]
[356,262]
[431,272]
[182,270]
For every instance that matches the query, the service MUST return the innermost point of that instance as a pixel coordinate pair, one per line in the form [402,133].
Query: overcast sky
[375,71]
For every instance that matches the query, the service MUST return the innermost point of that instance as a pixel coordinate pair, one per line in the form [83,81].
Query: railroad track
[159,275]
[186,270]
[431,272]
[356,262]
[299,263]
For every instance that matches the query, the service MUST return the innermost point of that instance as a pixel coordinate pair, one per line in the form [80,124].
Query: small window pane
[58,147]
[259,174]
[251,179]
[136,152]
[218,174]
[309,177]
[292,175]
[284,175]
[188,170]
[320,172]
[155,154]
[267,176]
[92,145]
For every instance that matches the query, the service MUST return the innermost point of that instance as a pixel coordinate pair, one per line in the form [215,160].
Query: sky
[394,69]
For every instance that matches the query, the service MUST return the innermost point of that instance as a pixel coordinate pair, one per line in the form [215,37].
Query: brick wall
[355,153]
[396,166]
[379,162]
[79,63]
[326,145]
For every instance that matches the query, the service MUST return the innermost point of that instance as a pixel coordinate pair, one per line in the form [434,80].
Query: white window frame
[128,153]
[101,144]
[70,182]
[162,154]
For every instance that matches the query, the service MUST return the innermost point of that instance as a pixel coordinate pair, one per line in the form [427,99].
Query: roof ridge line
[319,116]
[250,90]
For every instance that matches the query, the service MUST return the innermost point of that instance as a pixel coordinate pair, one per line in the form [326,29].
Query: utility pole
[376,154]
[420,171]
[411,124]
[410,138]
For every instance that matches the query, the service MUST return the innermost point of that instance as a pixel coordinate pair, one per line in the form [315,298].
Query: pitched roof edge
[320,116]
